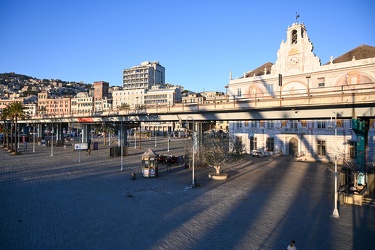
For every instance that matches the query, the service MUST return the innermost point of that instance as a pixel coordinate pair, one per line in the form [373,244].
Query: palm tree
[124,106]
[105,129]
[16,111]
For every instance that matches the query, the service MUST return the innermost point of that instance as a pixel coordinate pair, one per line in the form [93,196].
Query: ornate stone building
[298,72]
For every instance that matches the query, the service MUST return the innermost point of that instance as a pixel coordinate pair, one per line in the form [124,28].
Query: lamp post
[18,136]
[155,136]
[308,87]
[52,140]
[122,145]
[34,138]
[135,137]
[169,139]
[335,210]
[193,174]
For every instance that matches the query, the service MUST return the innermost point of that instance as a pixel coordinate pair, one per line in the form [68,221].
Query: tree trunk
[11,137]
[105,138]
[217,168]
[16,133]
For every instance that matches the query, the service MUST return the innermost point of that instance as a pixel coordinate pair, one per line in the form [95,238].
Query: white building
[82,104]
[132,97]
[301,73]
[144,76]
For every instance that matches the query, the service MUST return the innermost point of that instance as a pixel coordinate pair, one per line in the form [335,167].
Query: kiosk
[149,164]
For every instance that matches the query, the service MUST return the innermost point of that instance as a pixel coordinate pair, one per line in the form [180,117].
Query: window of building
[270,124]
[253,143]
[239,92]
[269,88]
[253,124]
[294,36]
[321,82]
[270,144]
[321,147]
[352,150]
[294,124]
[321,124]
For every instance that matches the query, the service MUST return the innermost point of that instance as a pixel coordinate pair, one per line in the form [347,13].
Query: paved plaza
[80,201]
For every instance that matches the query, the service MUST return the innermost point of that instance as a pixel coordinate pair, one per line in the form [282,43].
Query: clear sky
[198,41]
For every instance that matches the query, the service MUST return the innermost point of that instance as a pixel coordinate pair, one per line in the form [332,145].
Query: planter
[219,177]
[355,198]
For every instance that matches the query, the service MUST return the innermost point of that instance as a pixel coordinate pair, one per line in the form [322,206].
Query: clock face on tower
[293,62]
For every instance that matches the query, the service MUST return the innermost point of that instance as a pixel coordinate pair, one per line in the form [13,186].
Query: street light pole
[52,141]
[34,138]
[135,137]
[122,145]
[193,173]
[335,210]
[168,139]
[155,136]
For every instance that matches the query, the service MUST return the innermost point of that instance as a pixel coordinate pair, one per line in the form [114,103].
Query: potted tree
[217,149]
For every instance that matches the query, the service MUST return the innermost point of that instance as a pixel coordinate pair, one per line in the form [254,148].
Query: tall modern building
[144,76]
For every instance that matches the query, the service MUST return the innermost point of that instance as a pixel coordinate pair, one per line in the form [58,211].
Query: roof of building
[361,52]
[260,70]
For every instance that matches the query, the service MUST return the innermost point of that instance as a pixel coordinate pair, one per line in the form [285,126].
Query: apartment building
[53,106]
[144,76]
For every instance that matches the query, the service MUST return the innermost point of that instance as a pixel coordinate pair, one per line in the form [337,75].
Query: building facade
[144,76]
[100,96]
[298,72]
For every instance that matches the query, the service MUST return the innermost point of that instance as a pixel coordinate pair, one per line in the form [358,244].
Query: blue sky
[198,42]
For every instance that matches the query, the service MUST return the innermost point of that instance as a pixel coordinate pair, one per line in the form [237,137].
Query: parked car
[257,153]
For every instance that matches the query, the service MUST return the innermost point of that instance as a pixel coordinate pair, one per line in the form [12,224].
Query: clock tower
[295,55]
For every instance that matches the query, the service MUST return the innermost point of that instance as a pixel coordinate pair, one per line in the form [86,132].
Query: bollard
[133,177]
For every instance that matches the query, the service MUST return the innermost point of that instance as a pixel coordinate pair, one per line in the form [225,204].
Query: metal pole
[193,174]
[18,136]
[52,141]
[140,130]
[34,138]
[155,136]
[135,137]
[122,146]
[335,210]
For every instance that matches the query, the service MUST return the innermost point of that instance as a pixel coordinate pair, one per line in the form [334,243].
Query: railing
[360,93]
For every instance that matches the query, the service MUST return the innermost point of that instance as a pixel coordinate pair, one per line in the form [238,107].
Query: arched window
[294,37]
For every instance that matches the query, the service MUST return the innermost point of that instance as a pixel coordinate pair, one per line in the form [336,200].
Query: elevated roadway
[345,105]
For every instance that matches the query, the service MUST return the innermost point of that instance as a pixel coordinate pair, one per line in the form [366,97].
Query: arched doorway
[293,146]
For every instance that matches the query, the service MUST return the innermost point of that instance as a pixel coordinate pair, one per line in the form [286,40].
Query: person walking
[292,246]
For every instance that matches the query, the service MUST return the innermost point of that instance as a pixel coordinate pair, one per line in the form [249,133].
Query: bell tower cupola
[295,55]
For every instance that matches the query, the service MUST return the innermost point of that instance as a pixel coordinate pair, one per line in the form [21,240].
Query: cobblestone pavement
[72,201]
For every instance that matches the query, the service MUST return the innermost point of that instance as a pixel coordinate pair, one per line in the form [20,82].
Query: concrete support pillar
[123,135]
[86,128]
[40,129]
[59,135]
